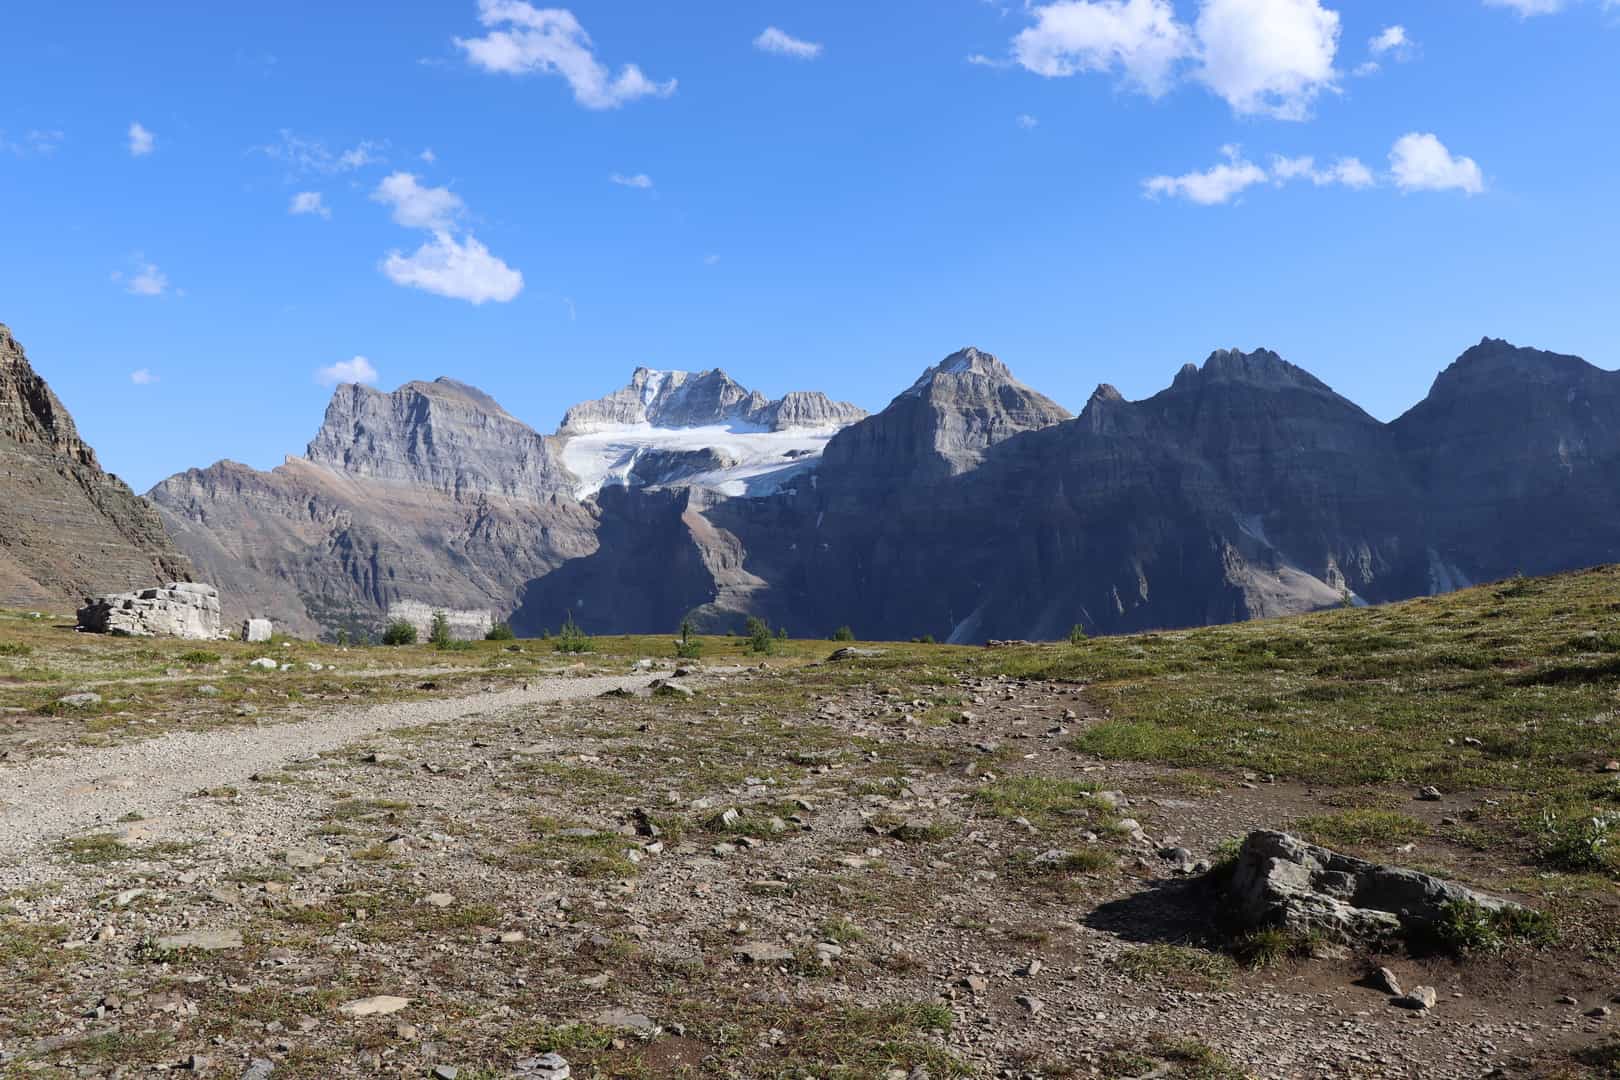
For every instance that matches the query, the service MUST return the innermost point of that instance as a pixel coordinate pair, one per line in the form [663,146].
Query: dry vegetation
[924,863]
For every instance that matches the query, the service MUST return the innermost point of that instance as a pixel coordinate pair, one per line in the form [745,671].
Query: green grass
[1367,696]
[1040,800]
[1180,965]
[1360,828]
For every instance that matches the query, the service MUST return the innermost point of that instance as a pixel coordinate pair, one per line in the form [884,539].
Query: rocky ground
[836,870]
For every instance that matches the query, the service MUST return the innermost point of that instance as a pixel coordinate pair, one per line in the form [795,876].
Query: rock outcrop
[464,625]
[432,493]
[67,529]
[1281,881]
[179,610]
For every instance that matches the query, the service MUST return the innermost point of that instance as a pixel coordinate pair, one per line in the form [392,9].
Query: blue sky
[812,196]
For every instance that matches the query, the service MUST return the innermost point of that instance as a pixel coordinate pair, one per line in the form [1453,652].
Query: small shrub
[15,648]
[689,647]
[926,639]
[501,632]
[843,633]
[198,656]
[571,639]
[1578,844]
[760,640]
[1270,947]
[1466,929]
[400,632]
[440,635]
[1077,634]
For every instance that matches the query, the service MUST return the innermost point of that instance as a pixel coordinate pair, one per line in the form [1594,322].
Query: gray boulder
[258,631]
[182,609]
[1281,881]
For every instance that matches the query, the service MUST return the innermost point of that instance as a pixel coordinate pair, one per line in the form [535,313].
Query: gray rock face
[442,435]
[67,529]
[681,399]
[433,493]
[941,426]
[182,610]
[1281,881]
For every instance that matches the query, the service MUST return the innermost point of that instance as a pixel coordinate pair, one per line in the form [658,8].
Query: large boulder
[258,631]
[1281,881]
[181,609]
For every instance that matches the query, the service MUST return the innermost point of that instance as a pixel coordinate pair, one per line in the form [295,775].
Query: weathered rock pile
[183,609]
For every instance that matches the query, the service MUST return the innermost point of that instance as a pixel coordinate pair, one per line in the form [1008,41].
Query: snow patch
[767,461]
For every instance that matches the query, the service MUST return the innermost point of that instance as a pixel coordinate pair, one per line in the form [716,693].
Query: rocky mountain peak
[683,399]
[967,363]
[1262,368]
[1495,365]
[30,411]
[445,434]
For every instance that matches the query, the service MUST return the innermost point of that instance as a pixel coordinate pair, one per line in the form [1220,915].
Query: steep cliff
[432,493]
[67,529]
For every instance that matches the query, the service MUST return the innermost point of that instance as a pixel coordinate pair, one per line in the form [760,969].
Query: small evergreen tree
[1077,635]
[440,636]
[571,639]
[400,632]
[843,633]
[501,632]
[689,647]
[759,636]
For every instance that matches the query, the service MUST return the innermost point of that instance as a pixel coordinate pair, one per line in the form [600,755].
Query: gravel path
[47,798]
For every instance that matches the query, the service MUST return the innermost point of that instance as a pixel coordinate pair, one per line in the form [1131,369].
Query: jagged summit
[1261,368]
[445,435]
[683,399]
[968,362]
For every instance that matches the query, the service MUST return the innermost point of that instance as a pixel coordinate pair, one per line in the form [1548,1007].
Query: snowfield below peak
[744,460]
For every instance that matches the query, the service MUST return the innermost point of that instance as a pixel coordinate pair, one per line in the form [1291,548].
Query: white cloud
[147,280]
[459,270]
[1227,180]
[1421,162]
[776,41]
[711,260]
[1139,38]
[141,141]
[1390,39]
[143,377]
[312,156]
[1267,57]
[428,156]
[1270,57]
[309,202]
[1348,172]
[1027,122]
[418,207]
[1218,184]
[552,42]
[358,370]
[639,180]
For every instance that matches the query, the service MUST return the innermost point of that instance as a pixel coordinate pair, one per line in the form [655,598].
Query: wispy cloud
[1226,180]
[313,157]
[145,279]
[781,43]
[1027,122]
[358,370]
[639,180]
[523,39]
[141,141]
[32,143]
[309,202]
[143,377]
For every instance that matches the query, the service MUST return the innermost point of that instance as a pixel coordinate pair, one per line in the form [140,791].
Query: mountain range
[971,507]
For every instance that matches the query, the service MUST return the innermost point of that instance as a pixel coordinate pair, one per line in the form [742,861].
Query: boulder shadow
[1173,911]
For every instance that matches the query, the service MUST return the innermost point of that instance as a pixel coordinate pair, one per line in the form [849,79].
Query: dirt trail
[47,798]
